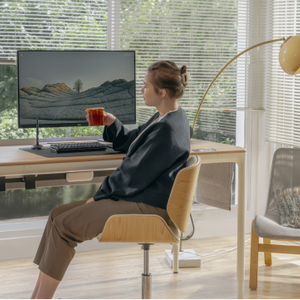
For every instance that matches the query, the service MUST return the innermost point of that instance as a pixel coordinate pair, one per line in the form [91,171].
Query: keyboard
[77,147]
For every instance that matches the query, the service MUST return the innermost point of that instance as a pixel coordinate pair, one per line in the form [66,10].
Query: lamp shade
[289,55]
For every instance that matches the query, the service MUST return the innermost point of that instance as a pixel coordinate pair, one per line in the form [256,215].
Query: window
[203,35]
[45,25]
[283,91]
[52,25]
[21,203]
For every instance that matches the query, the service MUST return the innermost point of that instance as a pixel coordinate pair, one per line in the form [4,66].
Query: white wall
[262,154]
[20,239]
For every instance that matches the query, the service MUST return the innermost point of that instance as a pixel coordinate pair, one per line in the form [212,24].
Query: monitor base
[37,146]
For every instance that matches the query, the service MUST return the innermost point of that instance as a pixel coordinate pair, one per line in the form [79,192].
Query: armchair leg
[146,276]
[253,260]
[268,255]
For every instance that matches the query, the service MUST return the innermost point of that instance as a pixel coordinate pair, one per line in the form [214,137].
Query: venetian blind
[204,36]
[283,91]
[52,25]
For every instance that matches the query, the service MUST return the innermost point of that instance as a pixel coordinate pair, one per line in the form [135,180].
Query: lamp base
[187,259]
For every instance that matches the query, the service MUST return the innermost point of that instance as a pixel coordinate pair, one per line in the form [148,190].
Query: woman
[155,152]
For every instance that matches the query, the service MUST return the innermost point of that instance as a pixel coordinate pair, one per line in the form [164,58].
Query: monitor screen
[56,87]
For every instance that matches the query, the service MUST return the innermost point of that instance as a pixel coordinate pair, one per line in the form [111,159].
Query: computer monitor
[56,87]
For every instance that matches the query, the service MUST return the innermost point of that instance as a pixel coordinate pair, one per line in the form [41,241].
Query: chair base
[146,276]
[146,286]
[187,259]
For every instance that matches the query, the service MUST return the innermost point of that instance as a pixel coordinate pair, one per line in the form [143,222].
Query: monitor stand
[37,146]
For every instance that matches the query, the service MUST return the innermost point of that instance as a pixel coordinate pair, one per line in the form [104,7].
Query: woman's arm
[120,136]
[157,153]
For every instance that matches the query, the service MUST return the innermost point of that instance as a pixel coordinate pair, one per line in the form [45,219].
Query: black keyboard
[77,147]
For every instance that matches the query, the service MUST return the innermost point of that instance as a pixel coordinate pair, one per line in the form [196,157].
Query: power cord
[207,254]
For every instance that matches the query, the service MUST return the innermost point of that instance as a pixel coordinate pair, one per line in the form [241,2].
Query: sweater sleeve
[154,156]
[120,136]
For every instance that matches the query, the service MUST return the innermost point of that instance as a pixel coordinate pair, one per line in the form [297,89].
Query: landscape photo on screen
[58,86]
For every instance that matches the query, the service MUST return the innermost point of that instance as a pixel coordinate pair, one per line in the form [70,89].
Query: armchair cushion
[266,228]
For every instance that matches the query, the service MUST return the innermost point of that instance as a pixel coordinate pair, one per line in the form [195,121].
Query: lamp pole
[233,59]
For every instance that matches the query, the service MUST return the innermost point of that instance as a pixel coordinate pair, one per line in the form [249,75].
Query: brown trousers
[75,222]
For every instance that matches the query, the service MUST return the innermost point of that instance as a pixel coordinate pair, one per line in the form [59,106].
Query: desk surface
[12,156]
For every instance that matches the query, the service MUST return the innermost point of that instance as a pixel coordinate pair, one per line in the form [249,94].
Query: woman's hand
[90,200]
[108,119]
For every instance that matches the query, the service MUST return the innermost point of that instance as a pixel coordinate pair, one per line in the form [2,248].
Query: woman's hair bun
[165,74]
[183,69]
[184,75]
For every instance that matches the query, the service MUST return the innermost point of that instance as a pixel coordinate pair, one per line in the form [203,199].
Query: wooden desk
[18,163]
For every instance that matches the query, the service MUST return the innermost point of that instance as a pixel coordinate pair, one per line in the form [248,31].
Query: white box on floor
[187,259]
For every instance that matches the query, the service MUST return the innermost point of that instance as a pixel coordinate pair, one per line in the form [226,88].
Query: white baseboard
[20,239]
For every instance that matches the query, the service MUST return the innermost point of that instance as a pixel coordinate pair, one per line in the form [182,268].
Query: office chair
[149,229]
[281,220]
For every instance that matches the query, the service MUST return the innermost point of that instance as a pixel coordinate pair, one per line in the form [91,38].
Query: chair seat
[135,228]
[269,229]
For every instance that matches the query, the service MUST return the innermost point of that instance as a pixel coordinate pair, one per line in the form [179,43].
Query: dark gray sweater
[148,171]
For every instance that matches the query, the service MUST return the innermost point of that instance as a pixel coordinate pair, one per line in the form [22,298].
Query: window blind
[282,90]
[204,36]
[52,25]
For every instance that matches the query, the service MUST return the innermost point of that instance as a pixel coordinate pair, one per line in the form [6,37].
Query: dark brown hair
[165,74]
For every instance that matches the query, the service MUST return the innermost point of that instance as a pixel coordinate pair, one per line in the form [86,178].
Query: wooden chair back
[182,194]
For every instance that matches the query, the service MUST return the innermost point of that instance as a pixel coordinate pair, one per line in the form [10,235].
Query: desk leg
[241,227]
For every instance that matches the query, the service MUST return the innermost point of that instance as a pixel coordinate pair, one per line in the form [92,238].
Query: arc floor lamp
[289,59]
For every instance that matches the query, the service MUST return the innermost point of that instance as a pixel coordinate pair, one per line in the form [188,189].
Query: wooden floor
[115,274]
